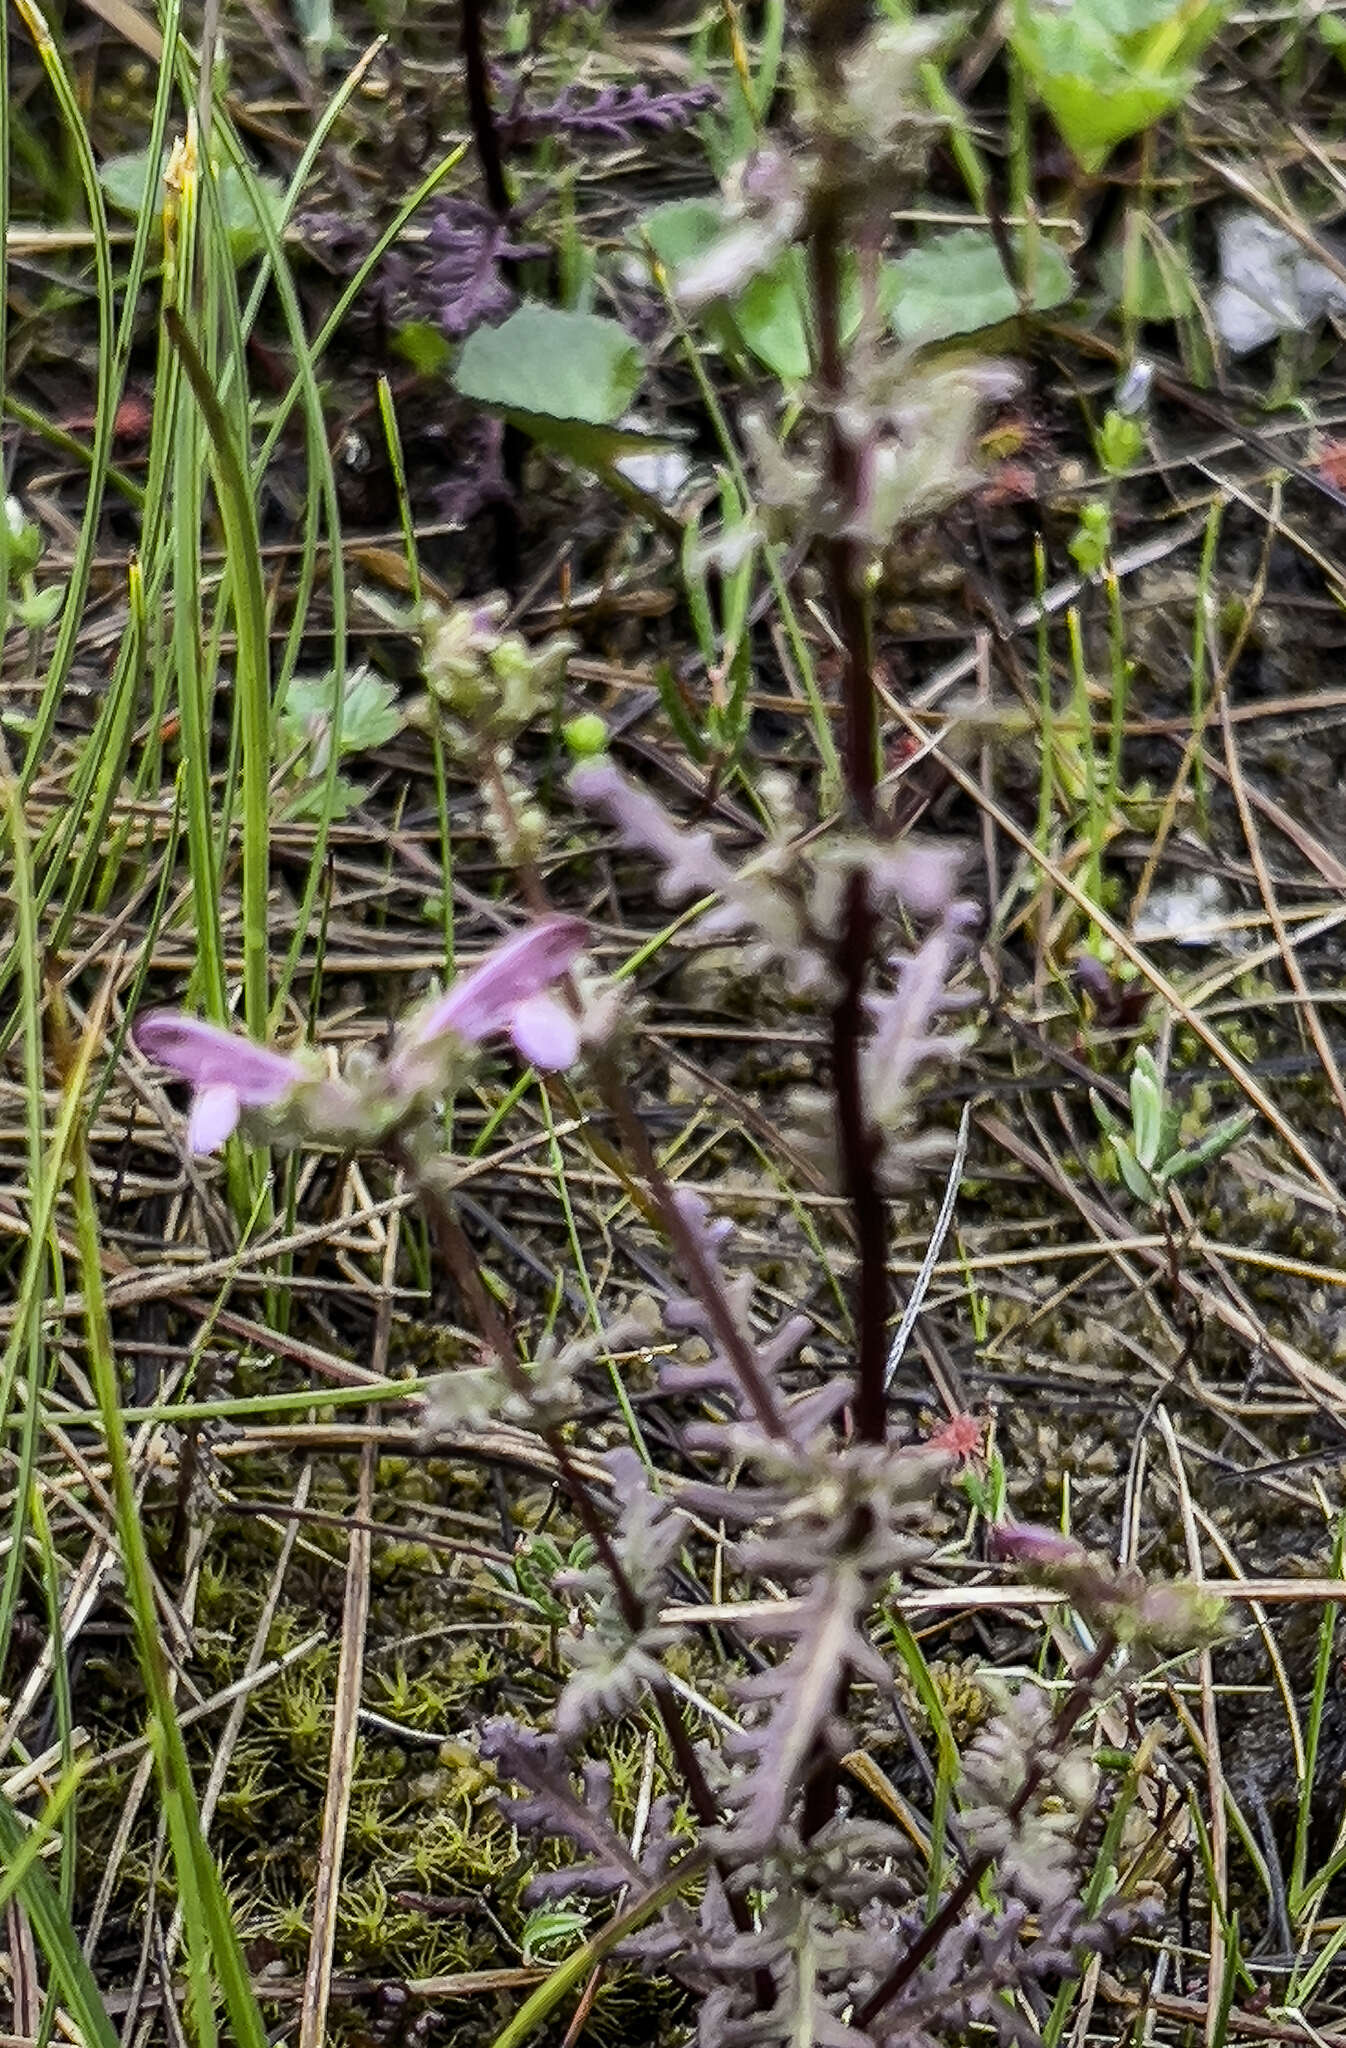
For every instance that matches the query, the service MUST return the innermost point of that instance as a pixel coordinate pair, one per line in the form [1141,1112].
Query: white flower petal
[214,1117]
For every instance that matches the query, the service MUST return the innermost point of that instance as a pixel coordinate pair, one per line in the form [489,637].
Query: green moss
[962,1695]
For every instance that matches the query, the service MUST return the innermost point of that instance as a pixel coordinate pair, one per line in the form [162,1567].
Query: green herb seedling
[1120,441]
[1149,1156]
[307,723]
[723,631]
[34,609]
[987,1491]
[550,1930]
[1091,542]
[535,1566]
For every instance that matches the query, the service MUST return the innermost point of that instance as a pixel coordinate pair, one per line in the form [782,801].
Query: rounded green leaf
[1093,122]
[1107,69]
[956,284]
[769,315]
[552,364]
[126,182]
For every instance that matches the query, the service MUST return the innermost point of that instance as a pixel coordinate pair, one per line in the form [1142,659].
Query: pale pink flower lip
[509,991]
[545,1034]
[214,1117]
[228,1072]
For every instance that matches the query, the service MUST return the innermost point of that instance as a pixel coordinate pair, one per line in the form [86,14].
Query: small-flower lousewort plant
[792,1906]
[757,1882]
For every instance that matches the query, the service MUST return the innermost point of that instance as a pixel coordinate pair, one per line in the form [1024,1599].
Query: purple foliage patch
[456,279]
[615,113]
[464,278]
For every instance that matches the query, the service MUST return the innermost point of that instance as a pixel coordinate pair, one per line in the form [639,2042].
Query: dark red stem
[491,157]
[700,1274]
[481,114]
[846,567]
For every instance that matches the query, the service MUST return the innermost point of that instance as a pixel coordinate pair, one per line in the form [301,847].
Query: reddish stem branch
[1077,1701]
[457,1254]
[491,157]
[860,1165]
[700,1274]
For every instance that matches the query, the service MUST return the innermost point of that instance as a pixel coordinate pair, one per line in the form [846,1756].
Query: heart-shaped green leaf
[1106,69]
[770,316]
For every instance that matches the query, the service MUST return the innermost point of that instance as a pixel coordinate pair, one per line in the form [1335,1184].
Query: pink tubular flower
[509,991]
[1029,1543]
[228,1073]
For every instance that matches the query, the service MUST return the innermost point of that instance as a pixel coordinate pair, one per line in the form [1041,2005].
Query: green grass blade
[346,299]
[51,1925]
[1322,1672]
[195,698]
[206,1908]
[946,1747]
[27,1331]
[321,509]
[60,1676]
[25,1858]
[538,2008]
[252,683]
